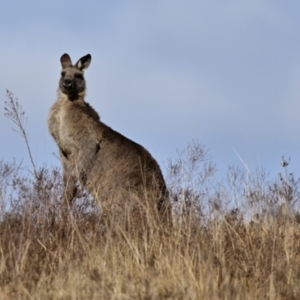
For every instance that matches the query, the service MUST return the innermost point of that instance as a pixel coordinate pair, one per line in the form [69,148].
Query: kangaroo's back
[116,171]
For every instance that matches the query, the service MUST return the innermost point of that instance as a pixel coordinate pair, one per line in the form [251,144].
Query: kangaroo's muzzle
[67,83]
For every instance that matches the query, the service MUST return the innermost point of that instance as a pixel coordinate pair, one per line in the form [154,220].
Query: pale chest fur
[60,127]
[74,126]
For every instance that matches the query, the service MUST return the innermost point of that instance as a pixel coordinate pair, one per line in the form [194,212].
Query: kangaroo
[116,171]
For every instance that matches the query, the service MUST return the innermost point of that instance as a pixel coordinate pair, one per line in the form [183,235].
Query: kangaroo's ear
[66,61]
[84,62]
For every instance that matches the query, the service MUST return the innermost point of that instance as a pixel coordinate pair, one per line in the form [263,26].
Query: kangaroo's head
[72,82]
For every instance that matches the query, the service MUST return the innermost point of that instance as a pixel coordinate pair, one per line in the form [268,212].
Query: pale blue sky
[163,73]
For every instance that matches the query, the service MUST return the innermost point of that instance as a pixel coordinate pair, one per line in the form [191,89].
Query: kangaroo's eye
[79,76]
[63,74]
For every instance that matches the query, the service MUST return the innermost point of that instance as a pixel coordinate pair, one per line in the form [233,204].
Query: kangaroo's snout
[67,83]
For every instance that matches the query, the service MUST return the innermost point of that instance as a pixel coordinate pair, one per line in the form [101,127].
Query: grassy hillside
[234,239]
[215,249]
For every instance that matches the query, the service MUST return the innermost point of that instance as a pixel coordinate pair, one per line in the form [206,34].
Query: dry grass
[239,239]
[51,251]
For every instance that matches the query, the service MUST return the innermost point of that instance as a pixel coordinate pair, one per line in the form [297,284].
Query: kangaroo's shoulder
[89,111]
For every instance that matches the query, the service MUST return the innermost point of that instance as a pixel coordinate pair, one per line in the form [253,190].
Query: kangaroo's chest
[62,129]
[75,128]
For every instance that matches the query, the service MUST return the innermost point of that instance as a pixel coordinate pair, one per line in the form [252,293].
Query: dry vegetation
[238,239]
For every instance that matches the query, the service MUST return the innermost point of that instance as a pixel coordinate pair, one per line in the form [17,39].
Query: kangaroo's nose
[67,83]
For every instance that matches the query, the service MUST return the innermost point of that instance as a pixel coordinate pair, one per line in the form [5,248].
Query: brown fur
[116,171]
